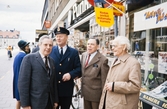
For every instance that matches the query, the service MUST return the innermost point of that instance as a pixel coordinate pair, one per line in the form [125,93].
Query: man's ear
[125,47]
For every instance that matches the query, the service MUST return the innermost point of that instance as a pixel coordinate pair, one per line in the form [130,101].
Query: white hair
[44,37]
[122,40]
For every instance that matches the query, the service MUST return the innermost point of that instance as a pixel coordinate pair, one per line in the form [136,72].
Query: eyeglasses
[114,46]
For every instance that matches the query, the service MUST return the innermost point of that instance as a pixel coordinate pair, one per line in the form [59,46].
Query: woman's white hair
[121,40]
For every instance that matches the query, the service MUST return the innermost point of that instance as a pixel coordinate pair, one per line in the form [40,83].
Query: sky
[21,15]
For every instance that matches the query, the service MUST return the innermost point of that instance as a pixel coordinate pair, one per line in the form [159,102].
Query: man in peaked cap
[24,49]
[61,30]
[68,67]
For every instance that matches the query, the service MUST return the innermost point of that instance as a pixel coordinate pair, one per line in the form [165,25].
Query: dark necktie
[61,53]
[47,66]
[87,61]
[115,60]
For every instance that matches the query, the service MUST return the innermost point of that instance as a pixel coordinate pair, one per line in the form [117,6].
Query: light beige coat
[94,76]
[126,74]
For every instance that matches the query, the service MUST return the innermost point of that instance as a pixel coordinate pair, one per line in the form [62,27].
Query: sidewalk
[6,85]
[6,96]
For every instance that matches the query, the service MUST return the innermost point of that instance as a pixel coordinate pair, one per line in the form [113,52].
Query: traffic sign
[119,6]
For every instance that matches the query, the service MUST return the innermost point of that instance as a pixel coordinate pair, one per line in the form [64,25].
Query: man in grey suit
[94,72]
[37,81]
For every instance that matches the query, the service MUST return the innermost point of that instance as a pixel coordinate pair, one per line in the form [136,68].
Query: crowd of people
[44,79]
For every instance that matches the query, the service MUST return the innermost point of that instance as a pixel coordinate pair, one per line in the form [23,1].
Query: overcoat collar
[121,58]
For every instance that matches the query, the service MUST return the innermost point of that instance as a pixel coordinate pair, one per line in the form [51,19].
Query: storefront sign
[150,18]
[104,17]
[77,10]
[41,31]
[153,101]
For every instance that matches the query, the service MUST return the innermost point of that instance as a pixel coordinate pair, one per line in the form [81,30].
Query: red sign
[105,4]
[47,24]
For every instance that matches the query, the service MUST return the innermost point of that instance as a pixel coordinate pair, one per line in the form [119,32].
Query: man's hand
[28,107]
[66,77]
[55,105]
[108,86]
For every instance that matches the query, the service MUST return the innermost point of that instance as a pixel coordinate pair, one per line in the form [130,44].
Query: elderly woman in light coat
[123,83]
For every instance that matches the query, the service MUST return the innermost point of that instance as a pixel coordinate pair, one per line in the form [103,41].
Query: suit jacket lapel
[84,60]
[40,60]
[56,52]
[51,67]
[67,52]
[94,60]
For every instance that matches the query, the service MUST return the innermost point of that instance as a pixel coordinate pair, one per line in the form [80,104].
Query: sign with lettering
[104,17]
[119,6]
[161,104]
[77,10]
[150,18]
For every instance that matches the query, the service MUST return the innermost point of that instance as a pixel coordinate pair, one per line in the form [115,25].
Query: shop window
[138,42]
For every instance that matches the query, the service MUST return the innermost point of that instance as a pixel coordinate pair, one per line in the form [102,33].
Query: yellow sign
[119,6]
[104,17]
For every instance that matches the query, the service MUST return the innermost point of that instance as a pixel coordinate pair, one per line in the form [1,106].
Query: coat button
[59,72]
[60,64]
[59,81]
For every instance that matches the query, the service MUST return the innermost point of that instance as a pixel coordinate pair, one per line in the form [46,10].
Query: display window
[157,54]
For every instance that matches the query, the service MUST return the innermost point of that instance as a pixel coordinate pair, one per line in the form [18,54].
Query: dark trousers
[49,104]
[64,102]
[91,104]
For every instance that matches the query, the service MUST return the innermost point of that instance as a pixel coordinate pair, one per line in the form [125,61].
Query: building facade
[78,17]
[9,38]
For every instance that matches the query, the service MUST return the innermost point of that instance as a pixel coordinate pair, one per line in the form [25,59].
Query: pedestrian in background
[9,51]
[37,81]
[123,82]
[24,48]
[68,67]
[94,72]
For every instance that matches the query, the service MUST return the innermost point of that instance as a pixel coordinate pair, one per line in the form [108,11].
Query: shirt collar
[65,47]
[42,55]
[93,54]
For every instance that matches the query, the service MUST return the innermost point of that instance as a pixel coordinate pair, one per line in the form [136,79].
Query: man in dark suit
[37,81]
[68,67]
[94,72]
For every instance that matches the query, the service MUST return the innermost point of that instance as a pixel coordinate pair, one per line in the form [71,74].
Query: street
[6,81]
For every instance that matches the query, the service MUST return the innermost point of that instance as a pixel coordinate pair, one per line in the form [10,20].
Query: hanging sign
[119,6]
[104,17]
[47,24]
